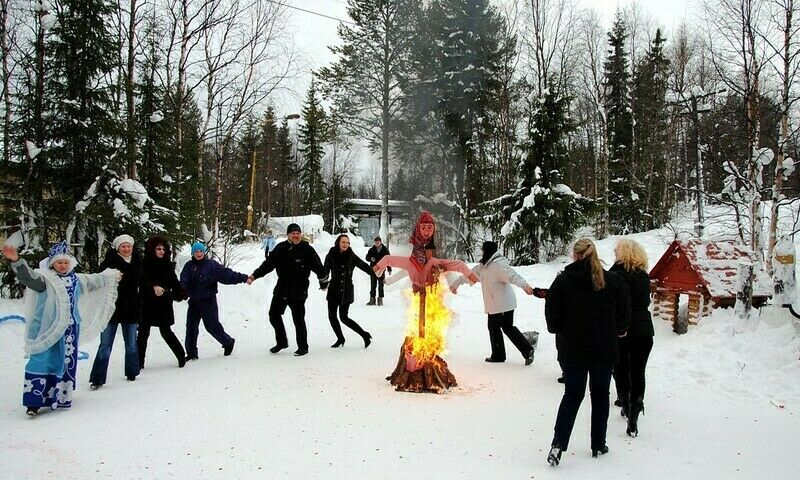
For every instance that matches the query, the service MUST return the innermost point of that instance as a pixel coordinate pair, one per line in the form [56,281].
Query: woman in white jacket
[499,301]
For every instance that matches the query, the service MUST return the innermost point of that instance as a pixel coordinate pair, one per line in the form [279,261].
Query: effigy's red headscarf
[419,242]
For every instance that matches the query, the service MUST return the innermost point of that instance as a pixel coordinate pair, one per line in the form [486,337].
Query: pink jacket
[419,276]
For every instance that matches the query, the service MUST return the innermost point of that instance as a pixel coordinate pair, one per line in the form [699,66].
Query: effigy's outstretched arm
[395,261]
[457,266]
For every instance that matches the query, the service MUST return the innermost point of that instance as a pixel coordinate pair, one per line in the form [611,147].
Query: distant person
[499,302]
[374,255]
[127,311]
[587,309]
[294,259]
[268,243]
[635,347]
[199,278]
[340,263]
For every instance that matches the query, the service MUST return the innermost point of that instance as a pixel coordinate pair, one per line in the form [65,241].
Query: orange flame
[437,321]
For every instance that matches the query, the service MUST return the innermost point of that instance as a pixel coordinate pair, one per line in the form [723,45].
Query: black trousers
[373,282]
[166,333]
[574,390]
[629,372]
[276,309]
[500,323]
[343,311]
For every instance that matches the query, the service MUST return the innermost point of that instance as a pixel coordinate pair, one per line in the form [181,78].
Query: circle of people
[600,317]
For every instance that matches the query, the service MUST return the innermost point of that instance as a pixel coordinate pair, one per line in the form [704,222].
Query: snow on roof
[717,264]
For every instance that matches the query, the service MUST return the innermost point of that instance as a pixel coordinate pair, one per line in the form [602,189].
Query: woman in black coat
[587,308]
[340,263]
[635,347]
[127,312]
[161,288]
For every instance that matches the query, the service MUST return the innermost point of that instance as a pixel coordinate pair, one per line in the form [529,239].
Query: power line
[311,12]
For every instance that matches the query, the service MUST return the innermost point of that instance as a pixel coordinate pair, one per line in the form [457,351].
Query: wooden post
[694,307]
[422,298]
[783,273]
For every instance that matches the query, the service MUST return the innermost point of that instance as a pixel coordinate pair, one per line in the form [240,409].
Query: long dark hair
[489,249]
[150,248]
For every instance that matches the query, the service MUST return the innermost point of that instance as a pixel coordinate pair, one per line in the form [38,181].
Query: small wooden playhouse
[706,272]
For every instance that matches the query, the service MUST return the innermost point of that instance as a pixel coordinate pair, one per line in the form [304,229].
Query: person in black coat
[587,308]
[635,347]
[293,259]
[161,288]
[374,255]
[340,263]
[127,312]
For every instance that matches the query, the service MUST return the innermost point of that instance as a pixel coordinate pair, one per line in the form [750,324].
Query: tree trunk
[130,106]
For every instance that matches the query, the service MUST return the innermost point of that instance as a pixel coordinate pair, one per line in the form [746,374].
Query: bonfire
[420,367]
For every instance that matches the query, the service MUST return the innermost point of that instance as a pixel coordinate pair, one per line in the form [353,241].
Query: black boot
[380,301]
[367,339]
[624,402]
[228,349]
[637,407]
[371,301]
[599,451]
[278,348]
[32,411]
[554,457]
[339,343]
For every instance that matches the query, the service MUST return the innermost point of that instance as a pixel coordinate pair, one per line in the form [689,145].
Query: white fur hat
[122,239]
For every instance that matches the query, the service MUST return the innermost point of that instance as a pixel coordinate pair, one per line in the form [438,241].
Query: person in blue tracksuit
[199,278]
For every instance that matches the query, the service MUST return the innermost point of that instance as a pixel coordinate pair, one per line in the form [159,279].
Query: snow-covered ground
[719,405]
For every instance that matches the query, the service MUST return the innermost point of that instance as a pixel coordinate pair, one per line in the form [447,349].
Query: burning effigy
[420,368]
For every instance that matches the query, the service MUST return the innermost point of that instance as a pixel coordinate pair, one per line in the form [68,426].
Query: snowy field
[719,404]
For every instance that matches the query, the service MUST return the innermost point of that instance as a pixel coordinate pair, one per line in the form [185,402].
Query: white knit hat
[122,239]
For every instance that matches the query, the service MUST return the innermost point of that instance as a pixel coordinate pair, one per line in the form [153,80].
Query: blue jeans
[100,366]
[574,390]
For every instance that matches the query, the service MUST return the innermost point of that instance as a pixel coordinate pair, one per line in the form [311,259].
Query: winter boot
[32,411]
[599,451]
[228,349]
[554,457]
[637,407]
[367,339]
[380,301]
[624,402]
[371,301]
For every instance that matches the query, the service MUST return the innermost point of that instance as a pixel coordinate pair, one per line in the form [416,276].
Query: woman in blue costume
[54,322]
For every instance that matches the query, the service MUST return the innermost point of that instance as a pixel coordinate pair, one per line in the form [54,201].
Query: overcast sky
[311,35]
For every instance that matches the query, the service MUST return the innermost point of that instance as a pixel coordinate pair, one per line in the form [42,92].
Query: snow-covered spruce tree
[81,53]
[649,158]
[313,135]
[285,170]
[112,206]
[623,201]
[542,213]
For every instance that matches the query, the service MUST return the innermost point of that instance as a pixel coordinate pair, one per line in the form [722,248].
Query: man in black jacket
[374,255]
[294,260]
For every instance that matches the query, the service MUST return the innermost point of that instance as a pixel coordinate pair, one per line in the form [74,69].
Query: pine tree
[623,201]
[649,91]
[541,213]
[365,83]
[313,135]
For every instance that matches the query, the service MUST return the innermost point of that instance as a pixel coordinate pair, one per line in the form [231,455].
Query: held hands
[250,280]
[528,290]
[540,292]
[473,279]
[10,252]
[158,291]
[323,284]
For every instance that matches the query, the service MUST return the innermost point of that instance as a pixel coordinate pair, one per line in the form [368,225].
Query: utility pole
[249,225]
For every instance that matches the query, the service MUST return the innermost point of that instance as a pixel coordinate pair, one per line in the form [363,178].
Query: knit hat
[198,246]
[122,239]
[293,227]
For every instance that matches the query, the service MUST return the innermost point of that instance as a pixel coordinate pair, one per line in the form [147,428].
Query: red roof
[713,266]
